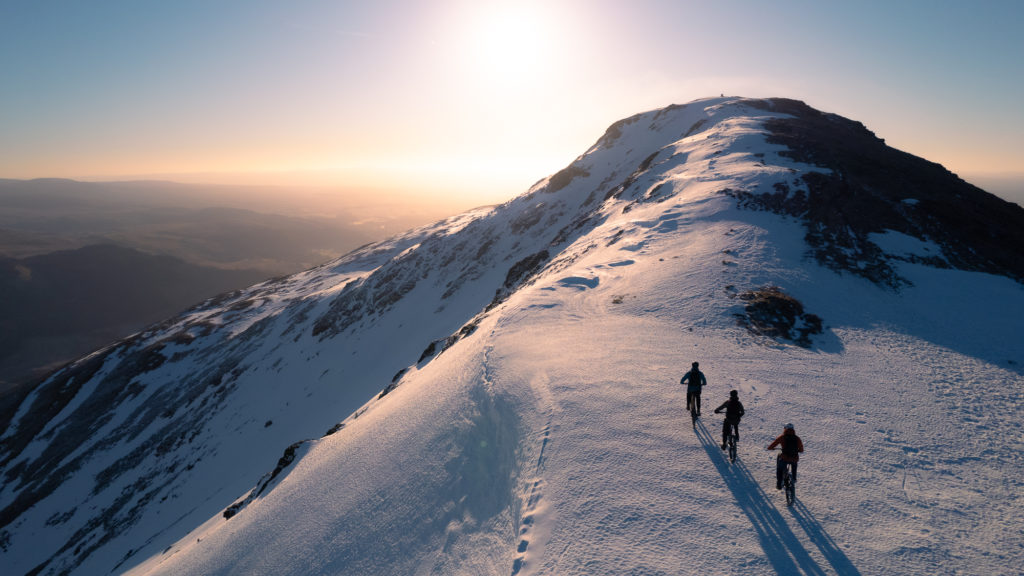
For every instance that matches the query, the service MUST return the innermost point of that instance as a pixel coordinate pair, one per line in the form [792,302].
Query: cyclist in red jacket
[792,446]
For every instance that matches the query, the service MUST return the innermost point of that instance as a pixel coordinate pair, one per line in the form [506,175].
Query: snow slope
[536,423]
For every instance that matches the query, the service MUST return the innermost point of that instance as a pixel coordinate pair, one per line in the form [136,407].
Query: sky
[475,97]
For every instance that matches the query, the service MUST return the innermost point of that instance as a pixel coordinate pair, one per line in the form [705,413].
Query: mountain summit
[498,393]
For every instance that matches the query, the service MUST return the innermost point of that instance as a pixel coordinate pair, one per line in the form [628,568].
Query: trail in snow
[626,472]
[883,416]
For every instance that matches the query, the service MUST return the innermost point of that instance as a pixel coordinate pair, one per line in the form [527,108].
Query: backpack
[790,445]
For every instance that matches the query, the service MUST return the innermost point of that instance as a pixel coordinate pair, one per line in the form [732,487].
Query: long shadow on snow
[781,546]
[823,541]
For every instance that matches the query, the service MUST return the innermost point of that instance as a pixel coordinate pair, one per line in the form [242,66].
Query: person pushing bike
[792,446]
[733,412]
[693,380]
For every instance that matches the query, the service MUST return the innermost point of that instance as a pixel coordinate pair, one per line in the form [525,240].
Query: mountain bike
[693,412]
[730,442]
[789,486]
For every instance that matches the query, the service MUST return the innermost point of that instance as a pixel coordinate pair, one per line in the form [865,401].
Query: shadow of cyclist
[781,546]
[840,563]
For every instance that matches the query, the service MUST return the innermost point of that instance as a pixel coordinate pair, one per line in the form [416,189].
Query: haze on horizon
[475,99]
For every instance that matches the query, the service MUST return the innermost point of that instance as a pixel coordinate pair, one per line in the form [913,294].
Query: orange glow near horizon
[469,96]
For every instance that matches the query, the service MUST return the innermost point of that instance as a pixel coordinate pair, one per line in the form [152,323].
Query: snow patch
[899,244]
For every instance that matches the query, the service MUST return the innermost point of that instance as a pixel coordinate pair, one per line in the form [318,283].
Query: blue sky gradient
[478,97]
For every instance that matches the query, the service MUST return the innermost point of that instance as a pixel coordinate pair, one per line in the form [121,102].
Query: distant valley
[85,263]
[58,306]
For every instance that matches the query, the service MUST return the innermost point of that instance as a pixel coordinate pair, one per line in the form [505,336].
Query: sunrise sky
[475,96]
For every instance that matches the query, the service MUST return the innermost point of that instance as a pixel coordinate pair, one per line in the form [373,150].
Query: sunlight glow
[495,94]
[508,44]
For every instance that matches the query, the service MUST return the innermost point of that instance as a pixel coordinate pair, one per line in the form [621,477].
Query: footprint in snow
[532,501]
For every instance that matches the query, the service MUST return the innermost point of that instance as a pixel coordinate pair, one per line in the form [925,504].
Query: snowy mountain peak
[855,196]
[497,393]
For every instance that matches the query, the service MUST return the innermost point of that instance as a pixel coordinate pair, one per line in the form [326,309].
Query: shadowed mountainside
[58,306]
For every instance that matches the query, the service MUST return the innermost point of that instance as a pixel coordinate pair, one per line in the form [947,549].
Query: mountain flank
[863,187]
[58,306]
[498,392]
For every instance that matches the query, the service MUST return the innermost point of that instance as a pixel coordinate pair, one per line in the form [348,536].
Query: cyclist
[733,412]
[693,380]
[791,449]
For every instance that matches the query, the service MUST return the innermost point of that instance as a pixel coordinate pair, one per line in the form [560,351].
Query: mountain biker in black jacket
[733,412]
[693,380]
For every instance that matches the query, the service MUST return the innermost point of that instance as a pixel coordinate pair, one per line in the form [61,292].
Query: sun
[509,42]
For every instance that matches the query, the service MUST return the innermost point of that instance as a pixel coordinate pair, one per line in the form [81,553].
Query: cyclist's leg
[730,428]
[725,433]
[689,401]
[792,467]
[780,472]
[696,399]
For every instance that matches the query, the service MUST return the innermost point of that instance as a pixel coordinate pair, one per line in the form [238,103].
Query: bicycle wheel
[790,489]
[732,448]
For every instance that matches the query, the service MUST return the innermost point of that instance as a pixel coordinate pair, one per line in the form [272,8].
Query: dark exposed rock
[466,330]
[65,454]
[51,398]
[773,313]
[388,389]
[577,224]
[428,352]
[334,429]
[485,246]
[640,170]
[867,187]
[564,177]
[528,218]
[283,462]
[695,128]
[525,267]
[614,132]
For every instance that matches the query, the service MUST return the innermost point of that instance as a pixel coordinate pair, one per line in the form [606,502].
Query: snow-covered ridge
[241,402]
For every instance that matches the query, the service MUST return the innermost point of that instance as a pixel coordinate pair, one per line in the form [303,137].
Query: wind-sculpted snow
[496,393]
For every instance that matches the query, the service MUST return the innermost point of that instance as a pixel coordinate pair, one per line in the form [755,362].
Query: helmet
[788,426]
[695,364]
[733,394]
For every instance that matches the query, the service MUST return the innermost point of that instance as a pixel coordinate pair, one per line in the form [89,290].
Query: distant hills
[277,229]
[85,263]
[57,306]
